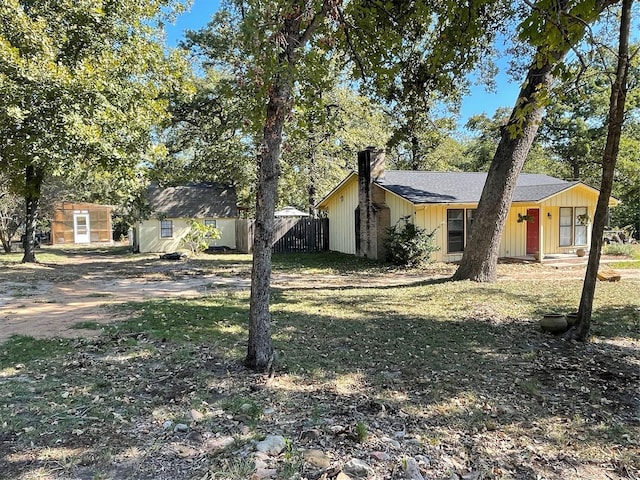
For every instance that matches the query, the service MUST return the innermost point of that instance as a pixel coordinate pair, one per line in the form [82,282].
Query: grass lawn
[455,375]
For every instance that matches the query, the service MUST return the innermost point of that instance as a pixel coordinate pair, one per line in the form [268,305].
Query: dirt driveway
[49,299]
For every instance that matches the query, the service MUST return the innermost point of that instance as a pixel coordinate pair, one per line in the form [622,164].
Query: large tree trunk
[609,158]
[480,258]
[260,353]
[260,348]
[34,177]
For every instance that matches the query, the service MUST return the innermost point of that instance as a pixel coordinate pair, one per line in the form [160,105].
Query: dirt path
[48,300]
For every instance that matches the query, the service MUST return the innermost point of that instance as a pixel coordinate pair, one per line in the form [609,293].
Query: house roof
[464,187]
[197,200]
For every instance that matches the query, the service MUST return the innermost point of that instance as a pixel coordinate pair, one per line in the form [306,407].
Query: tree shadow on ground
[472,388]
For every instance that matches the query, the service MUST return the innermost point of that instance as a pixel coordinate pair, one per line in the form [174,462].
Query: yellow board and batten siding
[342,203]
[340,207]
[151,241]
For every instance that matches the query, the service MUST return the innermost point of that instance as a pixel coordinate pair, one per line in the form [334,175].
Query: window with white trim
[166,229]
[459,224]
[573,226]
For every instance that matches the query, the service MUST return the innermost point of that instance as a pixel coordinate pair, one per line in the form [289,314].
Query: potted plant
[554,323]
[525,218]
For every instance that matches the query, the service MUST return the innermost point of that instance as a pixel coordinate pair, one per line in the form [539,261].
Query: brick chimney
[372,215]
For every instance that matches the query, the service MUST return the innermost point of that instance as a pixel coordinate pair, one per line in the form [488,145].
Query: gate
[290,235]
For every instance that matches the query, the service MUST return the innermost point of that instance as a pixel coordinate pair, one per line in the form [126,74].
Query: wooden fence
[291,235]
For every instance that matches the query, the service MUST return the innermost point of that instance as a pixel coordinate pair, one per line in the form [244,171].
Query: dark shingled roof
[464,187]
[199,200]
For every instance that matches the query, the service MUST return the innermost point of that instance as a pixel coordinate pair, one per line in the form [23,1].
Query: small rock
[358,468]
[343,476]
[215,445]
[261,456]
[263,473]
[316,458]
[412,472]
[380,456]
[246,407]
[196,415]
[337,429]
[269,411]
[181,428]
[272,445]
[471,476]
[167,425]
[195,436]
[184,451]
[422,459]
[244,430]
[310,435]
[398,435]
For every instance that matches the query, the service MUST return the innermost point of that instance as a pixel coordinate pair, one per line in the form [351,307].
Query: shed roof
[196,200]
[290,211]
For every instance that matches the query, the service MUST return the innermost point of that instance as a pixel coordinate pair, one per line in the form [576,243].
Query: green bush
[619,249]
[407,245]
[197,240]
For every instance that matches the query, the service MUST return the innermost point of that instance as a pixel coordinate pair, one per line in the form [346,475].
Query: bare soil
[530,407]
[47,300]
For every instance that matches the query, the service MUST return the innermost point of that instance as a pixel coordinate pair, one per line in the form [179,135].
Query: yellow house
[173,208]
[548,215]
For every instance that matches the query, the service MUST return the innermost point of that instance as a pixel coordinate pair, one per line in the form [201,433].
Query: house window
[455,230]
[459,225]
[470,214]
[166,229]
[580,226]
[211,223]
[573,228]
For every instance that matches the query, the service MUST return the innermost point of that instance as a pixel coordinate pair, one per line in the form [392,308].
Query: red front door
[533,231]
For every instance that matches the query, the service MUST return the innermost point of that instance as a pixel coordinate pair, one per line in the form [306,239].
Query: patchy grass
[456,372]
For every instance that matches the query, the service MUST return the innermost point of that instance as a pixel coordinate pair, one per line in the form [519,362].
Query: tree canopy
[83,84]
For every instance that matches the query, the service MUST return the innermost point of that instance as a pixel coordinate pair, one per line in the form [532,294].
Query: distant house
[290,211]
[81,223]
[548,215]
[173,208]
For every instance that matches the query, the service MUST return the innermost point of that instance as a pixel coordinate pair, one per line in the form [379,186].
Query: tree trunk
[480,258]
[260,353]
[260,349]
[34,177]
[609,158]
[311,183]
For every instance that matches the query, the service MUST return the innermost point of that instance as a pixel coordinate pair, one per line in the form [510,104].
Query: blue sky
[478,101]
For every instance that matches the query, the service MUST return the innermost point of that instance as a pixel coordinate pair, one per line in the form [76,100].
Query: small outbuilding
[172,209]
[290,211]
[81,223]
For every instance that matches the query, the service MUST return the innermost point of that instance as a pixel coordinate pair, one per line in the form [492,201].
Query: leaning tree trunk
[617,102]
[480,258]
[34,177]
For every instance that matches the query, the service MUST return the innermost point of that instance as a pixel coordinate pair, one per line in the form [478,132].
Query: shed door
[533,231]
[81,228]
